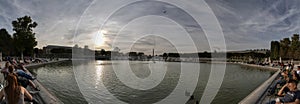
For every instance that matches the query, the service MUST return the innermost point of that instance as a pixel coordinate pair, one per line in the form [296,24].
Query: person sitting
[5,69]
[292,96]
[13,93]
[285,76]
[295,76]
[23,78]
[13,62]
[23,72]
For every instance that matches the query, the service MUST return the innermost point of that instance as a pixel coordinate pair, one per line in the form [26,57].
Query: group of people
[16,79]
[285,87]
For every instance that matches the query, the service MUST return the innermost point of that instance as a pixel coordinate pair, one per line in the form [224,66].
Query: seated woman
[13,93]
[4,70]
[23,80]
[294,76]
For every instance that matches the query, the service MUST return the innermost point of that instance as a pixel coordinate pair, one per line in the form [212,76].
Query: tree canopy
[24,37]
[5,42]
[286,48]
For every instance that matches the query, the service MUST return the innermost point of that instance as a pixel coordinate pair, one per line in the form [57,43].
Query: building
[57,51]
[49,48]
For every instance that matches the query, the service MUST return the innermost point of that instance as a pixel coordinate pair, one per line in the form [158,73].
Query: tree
[173,55]
[294,46]
[165,56]
[275,46]
[24,37]
[5,42]
[102,52]
[140,54]
[133,54]
[284,47]
[117,49]
[288,49]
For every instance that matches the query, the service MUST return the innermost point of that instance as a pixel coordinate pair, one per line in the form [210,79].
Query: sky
[143,25]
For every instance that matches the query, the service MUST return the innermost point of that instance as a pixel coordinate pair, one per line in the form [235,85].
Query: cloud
[254,23]
[246,24]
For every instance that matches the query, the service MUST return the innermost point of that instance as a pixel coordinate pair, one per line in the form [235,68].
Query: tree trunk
[0,56]
[22,57]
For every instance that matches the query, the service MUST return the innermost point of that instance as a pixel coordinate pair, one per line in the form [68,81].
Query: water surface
[99,83]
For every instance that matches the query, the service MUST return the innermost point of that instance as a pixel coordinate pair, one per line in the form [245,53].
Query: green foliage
[275,45]
[5,42]
[102,52]
[288,49]
[293,53]
[133,54]
[173,55]
[24,37]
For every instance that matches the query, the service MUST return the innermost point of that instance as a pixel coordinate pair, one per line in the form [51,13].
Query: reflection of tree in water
[59,79]
[57,66]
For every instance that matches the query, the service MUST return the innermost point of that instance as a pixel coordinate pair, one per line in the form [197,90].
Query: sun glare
[100,38]
[103,31]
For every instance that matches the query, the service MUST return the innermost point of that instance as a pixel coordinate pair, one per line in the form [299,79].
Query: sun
[104,32]
[100,39]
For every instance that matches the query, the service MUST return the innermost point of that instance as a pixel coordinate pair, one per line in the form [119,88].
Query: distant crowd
[26,60]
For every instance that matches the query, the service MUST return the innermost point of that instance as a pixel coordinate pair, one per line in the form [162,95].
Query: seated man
[290,97]
[279,82]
